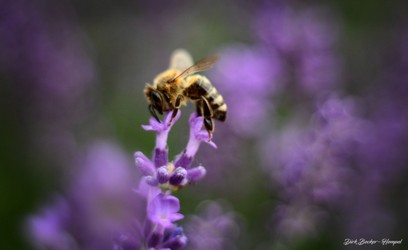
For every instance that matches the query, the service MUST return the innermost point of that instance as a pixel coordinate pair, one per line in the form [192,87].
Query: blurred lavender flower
[48,228]
[98,204]
[43,57]
[212,228]
[295,52]
[379,192]
[292,62]
[305,41]
[247,77]
[312,166]
[168,175]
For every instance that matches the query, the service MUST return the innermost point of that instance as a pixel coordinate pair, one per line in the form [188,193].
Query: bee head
[158,99]
[156,103]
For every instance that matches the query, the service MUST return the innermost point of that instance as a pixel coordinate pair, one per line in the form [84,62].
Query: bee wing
[181,60]
[201,65]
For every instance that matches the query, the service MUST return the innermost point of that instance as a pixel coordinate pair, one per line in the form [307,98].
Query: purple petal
[148,187]
[153,125]
[151,180]
[169,115]
[162,175]
[175,217]
[196,174]
[160,157]
[177,239]
[183,160]
[162,129]
[178,177]
[196,122]
[154,239]
[144,164]
[163,209]
[164,126]
[197,135]
[48,227]
[177,242]
[203,137]
[197,131]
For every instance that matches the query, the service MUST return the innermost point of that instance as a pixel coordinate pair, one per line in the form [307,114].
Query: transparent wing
[180,59]
[201,65]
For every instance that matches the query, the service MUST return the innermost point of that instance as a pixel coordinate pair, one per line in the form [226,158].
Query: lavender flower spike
[162,129]
[162,211]
[168,175]
[197,135]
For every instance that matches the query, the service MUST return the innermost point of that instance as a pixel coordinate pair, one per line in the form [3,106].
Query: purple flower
[162,210]
[380,163]
[167,238]
[50,71]
[305,41]
[197,135]
[173,175]
[292,30]
[98,204]
[160,230]
[298,220]
[48,228]
[162,129]
[247,76]
[212,228]
[311,165]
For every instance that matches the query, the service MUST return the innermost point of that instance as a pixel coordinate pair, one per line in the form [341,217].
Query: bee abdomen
[217,104]
[201,86]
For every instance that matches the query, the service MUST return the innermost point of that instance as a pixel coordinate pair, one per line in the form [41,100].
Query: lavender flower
[382,159]
[212,228]
[312,166]
[168,175]
[161,232]
[246,77]
[305,41]
[162,210]
[160,178]
[98,204]
[100,211]
[48,228]
[50,71]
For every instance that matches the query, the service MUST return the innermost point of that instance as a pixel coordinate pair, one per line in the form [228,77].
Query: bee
[179,84]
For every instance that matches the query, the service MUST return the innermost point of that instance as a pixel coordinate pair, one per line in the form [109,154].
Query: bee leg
[209,126]
[173,115]
[199,108]
[207,113]
[176,108]
[153,113]
[178,101]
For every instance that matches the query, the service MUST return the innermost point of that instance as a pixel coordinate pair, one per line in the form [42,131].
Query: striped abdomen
[199,86]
